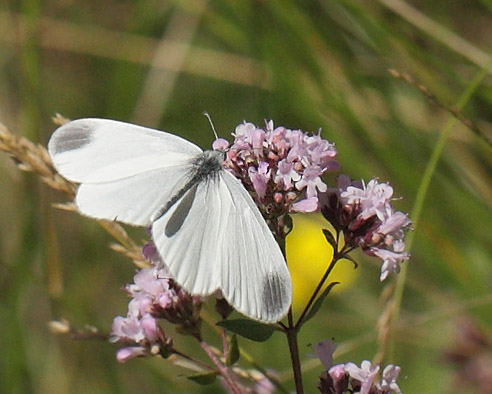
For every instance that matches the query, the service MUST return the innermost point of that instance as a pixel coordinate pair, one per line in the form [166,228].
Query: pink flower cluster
[282,166]
[141,332]
[349,378]
[155,296]
[368,220]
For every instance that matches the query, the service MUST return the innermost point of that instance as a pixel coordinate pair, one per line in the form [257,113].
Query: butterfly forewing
[99,150]
[127,172]
[135,200]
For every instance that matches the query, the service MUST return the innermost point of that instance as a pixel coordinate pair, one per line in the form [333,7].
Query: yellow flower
[308,256]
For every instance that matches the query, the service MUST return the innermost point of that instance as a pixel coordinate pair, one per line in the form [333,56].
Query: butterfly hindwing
[264,280]
[215,238]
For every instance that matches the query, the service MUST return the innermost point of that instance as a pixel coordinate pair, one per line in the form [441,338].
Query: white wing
[214,237]
[128,173]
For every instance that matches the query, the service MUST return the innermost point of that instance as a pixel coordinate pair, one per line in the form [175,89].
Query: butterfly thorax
[208,164]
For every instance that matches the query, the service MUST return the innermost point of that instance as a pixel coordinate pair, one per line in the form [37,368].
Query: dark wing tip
[275,296]
[71,136]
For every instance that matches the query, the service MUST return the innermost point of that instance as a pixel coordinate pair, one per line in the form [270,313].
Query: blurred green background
[305,64]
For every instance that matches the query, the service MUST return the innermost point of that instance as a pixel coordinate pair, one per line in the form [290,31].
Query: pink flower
[311,180]
[306,205]
[142,332]
[337,379]
[368,220]
[371,198]
[259,178]
[365,375]
[127,353]
[388,381]
[150,328]
[322,152]
[151,282]
[324,350]
[126,329]
[391,261]
[257,139]
[282,167]
[220,144]
[244,135]
[337,372]
[286,174]
[393,222]
[155,296]
[149,251]
[155,292]
[350,378]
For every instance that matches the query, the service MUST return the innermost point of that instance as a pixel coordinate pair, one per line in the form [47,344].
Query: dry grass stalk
[432,98]
[63,327]
[32,157]
[134,254]
[89,40]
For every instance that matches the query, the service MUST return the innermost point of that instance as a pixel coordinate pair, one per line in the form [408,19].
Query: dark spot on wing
[179,215]
[73,136]
[274,295]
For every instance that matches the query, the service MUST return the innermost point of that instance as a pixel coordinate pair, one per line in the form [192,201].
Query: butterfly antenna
[211,123]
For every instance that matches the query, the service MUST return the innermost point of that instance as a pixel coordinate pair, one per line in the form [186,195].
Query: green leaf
[234,353]
[249,329]
[203,378]
[288,224]
[341,241]
[346,256]
[330,238]
[317,304]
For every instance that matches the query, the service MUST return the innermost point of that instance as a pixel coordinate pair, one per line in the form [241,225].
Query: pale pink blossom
[276,163]
[366,217]
[388,383]
[365,375]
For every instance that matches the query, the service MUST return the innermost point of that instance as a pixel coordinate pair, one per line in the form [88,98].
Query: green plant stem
[222,369]
[225,345]
[316,291]
[291,333]
[193,360]
[423,190]
[274,379]
[246,356]
[291,330]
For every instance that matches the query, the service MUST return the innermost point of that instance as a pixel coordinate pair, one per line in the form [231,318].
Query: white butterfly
[205,225]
